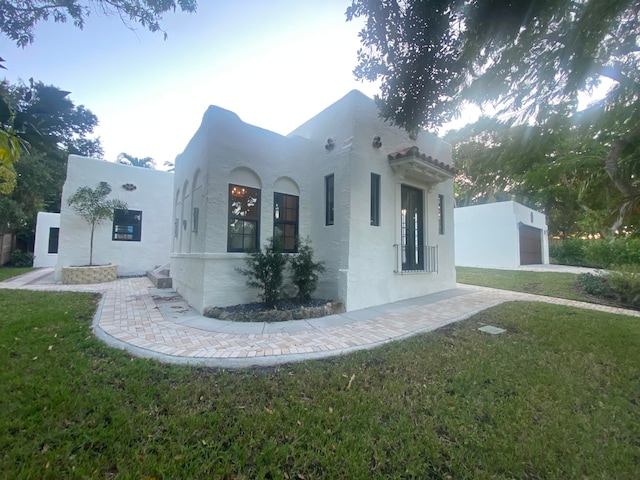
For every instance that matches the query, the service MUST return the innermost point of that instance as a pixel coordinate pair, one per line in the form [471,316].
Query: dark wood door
[530,245]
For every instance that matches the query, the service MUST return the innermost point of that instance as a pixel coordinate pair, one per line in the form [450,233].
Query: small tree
[305,271]
[265,270]
[93,206]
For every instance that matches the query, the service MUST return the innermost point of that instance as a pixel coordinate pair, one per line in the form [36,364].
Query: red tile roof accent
[415,152]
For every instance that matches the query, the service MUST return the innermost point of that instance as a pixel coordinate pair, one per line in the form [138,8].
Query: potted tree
[94,207]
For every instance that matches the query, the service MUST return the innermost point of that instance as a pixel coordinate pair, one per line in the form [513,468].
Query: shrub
[595,285]
[264,270]
[600,253]
[20,259]
[624,281]
[305,271]
[570,252]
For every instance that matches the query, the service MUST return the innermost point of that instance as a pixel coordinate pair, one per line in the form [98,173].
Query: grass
[557,396]
[551,284]
[8,272]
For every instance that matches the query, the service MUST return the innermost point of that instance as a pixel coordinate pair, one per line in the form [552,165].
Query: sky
[276,64]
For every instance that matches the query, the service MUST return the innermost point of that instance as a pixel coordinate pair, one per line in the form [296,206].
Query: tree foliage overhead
[18,18]
[40,118]
[529,59]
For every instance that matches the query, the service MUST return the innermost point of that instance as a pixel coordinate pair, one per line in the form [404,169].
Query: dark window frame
[54,239]
[412,232]
[255,220]
[375,200]
[329,199]
[127,225]
[195,219]
[280,220]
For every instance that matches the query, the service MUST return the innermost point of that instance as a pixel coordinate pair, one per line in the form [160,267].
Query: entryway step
[160,277]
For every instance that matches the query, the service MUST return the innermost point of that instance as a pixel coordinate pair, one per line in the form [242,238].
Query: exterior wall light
[376,142]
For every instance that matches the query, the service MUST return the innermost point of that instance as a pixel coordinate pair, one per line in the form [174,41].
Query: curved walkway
[153,323]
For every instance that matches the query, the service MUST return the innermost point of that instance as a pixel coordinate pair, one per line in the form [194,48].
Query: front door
[412,229]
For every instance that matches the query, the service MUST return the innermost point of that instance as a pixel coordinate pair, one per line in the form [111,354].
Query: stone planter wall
[92,274]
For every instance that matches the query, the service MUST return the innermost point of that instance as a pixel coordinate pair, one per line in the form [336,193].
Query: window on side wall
[195,219]
[127,225]
[328,199]
[285,221]
[441,214]
[244,218]
[375,200]
[54,235]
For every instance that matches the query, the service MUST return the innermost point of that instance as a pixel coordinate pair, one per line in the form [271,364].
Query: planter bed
[284,311]
[89,274]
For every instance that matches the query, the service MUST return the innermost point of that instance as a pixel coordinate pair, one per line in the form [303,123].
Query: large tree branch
[613,157]
[617,75]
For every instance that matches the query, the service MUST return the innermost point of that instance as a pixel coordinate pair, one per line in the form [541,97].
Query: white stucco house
[377,205]
[138,239]
[500,235]
[45,250]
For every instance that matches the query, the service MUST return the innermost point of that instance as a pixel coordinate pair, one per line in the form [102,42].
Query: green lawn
[557,396]
[8,272]
[551,284]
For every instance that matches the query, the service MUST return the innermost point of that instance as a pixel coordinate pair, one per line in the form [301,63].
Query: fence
[7,244]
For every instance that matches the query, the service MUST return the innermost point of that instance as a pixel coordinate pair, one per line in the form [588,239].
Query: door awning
[410,163]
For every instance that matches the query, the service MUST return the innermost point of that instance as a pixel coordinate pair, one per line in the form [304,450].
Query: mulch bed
[285,310]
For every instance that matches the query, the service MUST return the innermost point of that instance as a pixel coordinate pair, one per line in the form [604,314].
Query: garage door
[530,245]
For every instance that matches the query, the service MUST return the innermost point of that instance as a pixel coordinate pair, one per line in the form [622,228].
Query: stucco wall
[359,258]
[152,196]
[487,235]
[226,150]
[41,256]
[373,278]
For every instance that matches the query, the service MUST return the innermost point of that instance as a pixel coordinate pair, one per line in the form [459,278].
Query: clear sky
[275,63]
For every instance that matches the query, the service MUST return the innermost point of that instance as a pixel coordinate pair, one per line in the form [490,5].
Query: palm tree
[145,162]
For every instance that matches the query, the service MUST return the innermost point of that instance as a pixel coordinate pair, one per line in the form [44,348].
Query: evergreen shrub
[305,272]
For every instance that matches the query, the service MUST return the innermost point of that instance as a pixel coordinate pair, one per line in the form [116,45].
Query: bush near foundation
[265,271]
[304,271]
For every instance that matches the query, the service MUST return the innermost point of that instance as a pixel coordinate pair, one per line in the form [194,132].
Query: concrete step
[160,277]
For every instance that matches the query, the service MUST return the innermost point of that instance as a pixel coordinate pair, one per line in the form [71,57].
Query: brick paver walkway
[129,317]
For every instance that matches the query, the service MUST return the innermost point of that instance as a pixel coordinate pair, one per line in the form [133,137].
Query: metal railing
[415,259]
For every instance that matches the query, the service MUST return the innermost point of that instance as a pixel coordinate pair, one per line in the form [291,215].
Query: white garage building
[500,235]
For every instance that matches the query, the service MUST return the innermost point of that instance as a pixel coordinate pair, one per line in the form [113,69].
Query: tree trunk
[91,245]
[623,184]
[613,157]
